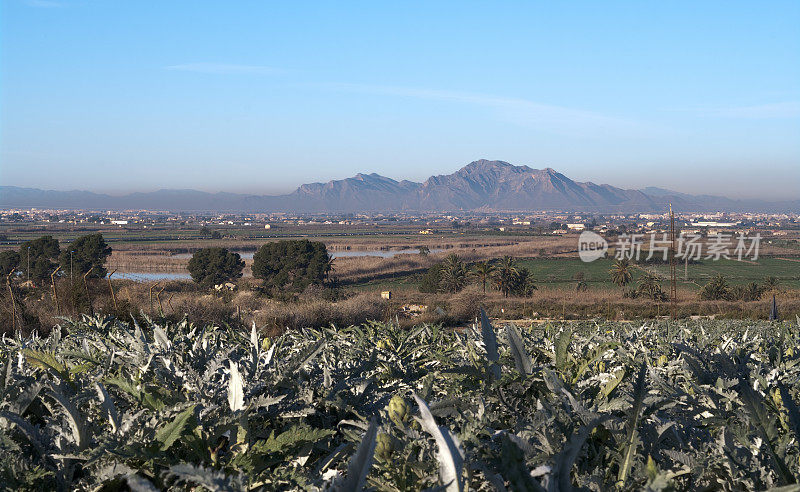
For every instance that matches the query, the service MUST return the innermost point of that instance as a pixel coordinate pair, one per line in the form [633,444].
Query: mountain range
[483,186]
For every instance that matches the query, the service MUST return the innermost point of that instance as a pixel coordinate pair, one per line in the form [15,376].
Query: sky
[259,97]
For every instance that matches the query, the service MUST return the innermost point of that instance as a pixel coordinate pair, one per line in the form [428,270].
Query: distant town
[268,225]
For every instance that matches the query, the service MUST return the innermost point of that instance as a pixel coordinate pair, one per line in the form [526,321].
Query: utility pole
[673,278]
[686,268]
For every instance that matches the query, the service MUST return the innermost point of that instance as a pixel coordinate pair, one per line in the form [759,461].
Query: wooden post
[151,295]
[158,298]
[111,288]
[55,291]
[13,305]
[88,296]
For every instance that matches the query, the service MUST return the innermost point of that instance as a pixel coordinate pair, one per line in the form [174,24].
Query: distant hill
[479,186]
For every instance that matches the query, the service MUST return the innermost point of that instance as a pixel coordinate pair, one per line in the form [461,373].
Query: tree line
[282,265]
[716,289]
[453,274]
[37,259]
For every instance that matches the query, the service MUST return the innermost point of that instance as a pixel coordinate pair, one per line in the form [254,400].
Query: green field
[561,272]
[737,272]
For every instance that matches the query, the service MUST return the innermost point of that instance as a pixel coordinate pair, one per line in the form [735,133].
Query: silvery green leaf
[235,389]
[360,463]
[490,342]
[450,454]
[254,337]
[26,397]
[108,406]
[140,484]
[161,337]
[521,358]
[31,432]
[270,353]
[209,478]
[73,416]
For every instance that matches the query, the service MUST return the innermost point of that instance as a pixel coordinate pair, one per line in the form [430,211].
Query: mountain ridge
[484,185]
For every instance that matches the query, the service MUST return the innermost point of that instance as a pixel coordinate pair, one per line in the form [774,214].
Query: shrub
[39,254]
[430,281]
[715,290]
[292,265]
[87,253]
[212,266]
[9,260]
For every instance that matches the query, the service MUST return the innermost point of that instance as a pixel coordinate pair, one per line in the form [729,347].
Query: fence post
[158,298]
[151,295]
[111,288]
[55,291]
[13,305]
[88,296]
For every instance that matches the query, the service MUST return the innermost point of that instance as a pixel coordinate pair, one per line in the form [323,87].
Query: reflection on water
[150,276]
[156,276]
[340,254]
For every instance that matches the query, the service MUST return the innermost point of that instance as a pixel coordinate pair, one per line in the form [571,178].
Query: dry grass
[154,258]
[36,310]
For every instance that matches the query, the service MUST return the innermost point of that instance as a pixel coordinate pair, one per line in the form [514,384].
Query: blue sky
[262,96]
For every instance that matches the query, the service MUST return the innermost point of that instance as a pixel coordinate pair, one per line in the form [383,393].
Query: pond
[150,276]
[340,254]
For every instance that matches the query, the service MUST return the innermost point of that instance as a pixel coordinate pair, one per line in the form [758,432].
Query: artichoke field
[102,404]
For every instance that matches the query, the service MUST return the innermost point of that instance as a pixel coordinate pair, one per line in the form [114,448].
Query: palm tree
[453,274]
[505,275]
[524,284]
[650,286]
[770,283]
[716,289]
[483,271]
[621,272]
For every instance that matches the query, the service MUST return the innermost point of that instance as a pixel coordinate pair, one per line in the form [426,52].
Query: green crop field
[561,272]
[102,404]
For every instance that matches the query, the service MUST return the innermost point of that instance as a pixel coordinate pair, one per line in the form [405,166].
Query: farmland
[564,271]
[654,405]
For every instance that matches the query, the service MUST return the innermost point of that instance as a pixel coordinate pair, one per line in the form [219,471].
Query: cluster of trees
[281,265]
[718,289]
[39,258]
[453,274]
[649,283]
[211,266]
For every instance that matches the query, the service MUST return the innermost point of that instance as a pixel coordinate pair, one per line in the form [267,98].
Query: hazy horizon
[255,98]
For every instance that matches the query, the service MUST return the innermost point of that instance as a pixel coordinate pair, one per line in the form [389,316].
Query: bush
[292,265]
[86,254]
[715,290]
[430,280]
[9,260]
[39,254]
[212,266]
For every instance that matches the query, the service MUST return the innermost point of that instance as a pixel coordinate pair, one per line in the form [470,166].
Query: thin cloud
[43,3]
[555,118]
[779,110]
[224,68]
